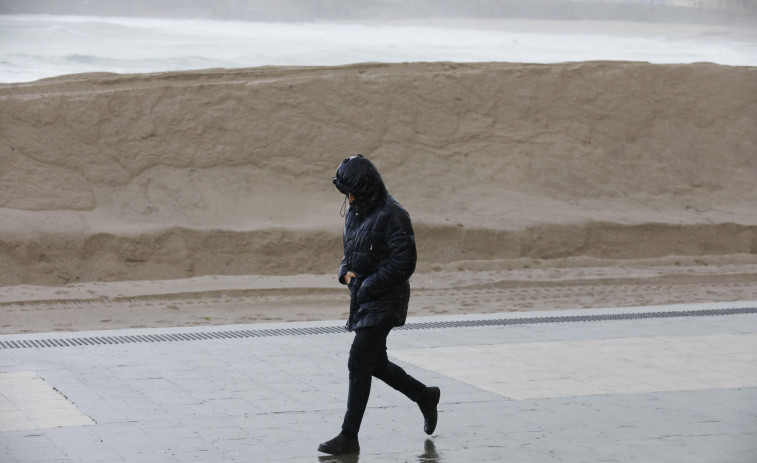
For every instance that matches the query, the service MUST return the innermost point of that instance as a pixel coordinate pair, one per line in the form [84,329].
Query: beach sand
[205,197]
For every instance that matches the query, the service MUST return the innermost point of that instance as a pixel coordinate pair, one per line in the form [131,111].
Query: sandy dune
[527,185]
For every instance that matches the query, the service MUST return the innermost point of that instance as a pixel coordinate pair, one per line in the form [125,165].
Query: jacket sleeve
[343,264]
[343,271]
[400,262]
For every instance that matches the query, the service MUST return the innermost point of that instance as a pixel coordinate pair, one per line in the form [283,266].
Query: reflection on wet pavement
[349,458]
[429,455]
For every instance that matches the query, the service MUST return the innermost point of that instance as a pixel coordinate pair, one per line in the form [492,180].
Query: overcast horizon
[674,11]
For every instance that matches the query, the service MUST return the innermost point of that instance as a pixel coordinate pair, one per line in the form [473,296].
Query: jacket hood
[359,176]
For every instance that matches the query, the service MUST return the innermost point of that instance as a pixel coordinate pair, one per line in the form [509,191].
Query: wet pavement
[657,384]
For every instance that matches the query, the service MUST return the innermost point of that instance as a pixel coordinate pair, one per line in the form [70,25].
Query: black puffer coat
[379,247]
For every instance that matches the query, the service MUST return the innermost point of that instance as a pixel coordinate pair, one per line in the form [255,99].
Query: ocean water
[34,46]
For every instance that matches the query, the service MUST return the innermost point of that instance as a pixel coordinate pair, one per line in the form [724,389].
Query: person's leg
[396,377]
[367,359]
[427,398]
[368,348]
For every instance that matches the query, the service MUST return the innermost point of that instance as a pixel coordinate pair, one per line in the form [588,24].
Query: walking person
[379,257]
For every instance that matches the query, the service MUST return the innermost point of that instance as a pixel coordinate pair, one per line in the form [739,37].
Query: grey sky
[694,11]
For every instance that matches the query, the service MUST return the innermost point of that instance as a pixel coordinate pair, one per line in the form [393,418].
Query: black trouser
[367,359]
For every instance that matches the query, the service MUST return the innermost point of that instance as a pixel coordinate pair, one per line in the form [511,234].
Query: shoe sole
[330,451]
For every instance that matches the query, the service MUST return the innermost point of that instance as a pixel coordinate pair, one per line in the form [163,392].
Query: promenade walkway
[653,384]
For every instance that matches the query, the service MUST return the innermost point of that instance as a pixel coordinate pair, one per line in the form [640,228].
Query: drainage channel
[200,336]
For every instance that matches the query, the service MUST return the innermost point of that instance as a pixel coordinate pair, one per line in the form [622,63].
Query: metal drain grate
[199,336]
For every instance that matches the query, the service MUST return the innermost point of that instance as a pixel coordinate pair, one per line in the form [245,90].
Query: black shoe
[340,445]
[428,408]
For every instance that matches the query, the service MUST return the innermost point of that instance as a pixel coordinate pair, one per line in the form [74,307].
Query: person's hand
[349,276]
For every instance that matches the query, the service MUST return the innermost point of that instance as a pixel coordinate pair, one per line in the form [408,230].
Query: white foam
[38,46]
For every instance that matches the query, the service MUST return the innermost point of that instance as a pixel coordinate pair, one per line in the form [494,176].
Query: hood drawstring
[343,211]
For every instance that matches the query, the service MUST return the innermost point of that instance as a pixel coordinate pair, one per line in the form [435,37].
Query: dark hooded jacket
[379,247]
